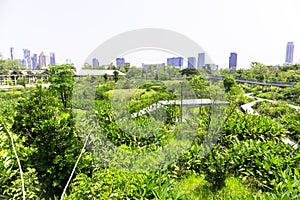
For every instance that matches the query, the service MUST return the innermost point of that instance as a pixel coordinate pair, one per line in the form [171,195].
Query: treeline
[261,72]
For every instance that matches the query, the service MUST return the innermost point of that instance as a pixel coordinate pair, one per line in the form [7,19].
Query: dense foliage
[261,72]
[247,159]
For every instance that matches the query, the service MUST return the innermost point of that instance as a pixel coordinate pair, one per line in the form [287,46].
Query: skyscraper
[68,61]
[191,62]
[289,53]
[12,53]
[95,62]
[175,61]
[52,58]
[23,62]
[201,60]
[42,60]
[233,60]
[120,62]
[34,61]
[27,58]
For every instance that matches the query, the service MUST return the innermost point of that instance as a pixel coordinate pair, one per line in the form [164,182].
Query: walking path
[184,102]
[248,109]
[9,87]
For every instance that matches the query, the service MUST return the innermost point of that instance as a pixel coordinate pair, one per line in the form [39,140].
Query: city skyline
[257,30]
[34,61]
[190,62]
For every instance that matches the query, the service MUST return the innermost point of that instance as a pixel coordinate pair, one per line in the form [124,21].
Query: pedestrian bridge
[183,103]
[240,80]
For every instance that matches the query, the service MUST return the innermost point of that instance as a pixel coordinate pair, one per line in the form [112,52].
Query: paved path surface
[185,102]
[248,109]
[9,87]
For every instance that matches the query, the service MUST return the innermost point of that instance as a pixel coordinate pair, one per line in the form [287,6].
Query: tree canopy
[62,78]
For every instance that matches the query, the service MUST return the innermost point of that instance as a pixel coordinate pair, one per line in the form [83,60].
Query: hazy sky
[258,30]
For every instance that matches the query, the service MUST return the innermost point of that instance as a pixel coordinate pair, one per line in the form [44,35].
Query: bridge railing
[260,82]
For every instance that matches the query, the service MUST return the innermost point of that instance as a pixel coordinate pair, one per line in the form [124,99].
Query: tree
[207,68]
[163,76]
[259,71]
[51,133]
[172,71]
[21,81]
[200,86]
[105,76]
[116,76]
[134,72]
[62,78]
[127,68]
[156,76]
[87,66]
[189,71]
[229,82]
[10,65]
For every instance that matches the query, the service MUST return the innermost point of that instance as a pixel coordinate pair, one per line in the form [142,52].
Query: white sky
[258,30]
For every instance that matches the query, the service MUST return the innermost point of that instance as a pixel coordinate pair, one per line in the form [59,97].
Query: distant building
[213,67]
[34,61]
[120,62]
[89,72]
[47,60]
[127,64]
[175,61]
[201,60]
[153,66]
[95,62]
[52,58]
[27,58]
[289,53]
[12,53]
[191,62]
[23,62]
[233,61]
[42,60]
[68,61]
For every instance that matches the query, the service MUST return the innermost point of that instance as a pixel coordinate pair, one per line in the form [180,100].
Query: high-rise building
[52,58]
[42,60]
[233,60]
[34,61]
[120,62]
[175,61]
[289,53]
[23,62]
[191,62]
[201,60]
[95,62]
[68,61]
[27,58]
[12,53]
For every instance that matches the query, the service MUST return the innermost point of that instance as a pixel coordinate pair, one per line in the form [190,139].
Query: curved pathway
[248,109]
